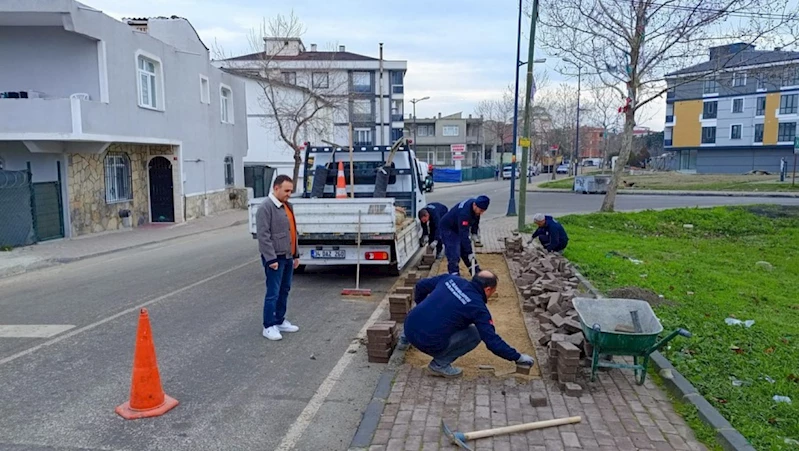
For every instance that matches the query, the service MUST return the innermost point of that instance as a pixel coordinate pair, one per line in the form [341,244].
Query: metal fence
[16,209]
[481,173]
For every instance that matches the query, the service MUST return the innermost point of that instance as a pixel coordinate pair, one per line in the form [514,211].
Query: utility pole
[414,101]
[512,199]
[527,107]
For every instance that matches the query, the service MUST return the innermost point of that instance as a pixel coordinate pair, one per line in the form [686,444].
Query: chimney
[470,116]
[439,115]
[341,48]
[313,47]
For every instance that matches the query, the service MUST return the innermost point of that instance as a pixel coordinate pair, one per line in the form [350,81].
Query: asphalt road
[204,295]
[558,204]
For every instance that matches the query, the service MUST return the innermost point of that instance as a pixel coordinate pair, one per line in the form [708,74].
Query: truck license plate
[329,254]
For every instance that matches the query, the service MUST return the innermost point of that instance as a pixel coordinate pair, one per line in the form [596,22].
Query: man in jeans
[277,241]
[451,318]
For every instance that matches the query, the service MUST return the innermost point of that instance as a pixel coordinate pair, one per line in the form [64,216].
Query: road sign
[524,142]
[457,148]
[458,156]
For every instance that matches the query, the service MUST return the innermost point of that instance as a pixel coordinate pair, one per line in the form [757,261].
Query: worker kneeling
[550,232]
[451,318]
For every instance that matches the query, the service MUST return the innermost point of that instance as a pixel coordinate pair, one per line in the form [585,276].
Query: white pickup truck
[327,227]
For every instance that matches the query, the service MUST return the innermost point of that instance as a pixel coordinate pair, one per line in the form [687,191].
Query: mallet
[460,438]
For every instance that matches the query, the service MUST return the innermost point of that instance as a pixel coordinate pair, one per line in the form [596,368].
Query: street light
[413,101]
[577,138]
[512,199]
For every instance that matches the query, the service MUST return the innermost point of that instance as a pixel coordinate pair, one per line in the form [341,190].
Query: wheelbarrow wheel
[640,374]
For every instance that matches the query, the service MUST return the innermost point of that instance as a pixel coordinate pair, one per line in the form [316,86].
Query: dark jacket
[433,227]
[462,221]
[446,304]
[557,234]
[273,230]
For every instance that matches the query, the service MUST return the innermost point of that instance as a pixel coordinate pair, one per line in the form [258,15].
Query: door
[162,200]
[47,211]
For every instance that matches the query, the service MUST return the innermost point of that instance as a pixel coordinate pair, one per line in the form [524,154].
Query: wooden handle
[521,427]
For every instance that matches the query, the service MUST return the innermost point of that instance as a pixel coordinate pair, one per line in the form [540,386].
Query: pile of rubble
[548,284]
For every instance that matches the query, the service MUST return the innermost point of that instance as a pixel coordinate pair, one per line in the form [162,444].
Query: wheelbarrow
[622,327]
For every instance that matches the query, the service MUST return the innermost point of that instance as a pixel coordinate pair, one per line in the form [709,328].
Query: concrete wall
[733,161]
[15,157]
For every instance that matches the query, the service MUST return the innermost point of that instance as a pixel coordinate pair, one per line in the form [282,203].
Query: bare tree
[497,117]
[632,46]
[604,113]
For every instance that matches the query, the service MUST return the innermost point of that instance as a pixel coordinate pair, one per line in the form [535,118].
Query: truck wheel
[300,269]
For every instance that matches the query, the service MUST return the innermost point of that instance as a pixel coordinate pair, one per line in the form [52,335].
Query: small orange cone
[147,398]
[341,184]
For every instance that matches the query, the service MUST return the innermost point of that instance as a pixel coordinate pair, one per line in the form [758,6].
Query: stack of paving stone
[381,339]
[398,307]
[565,358]
[428,258]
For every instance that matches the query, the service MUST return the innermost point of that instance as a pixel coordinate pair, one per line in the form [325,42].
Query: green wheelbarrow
[622,327]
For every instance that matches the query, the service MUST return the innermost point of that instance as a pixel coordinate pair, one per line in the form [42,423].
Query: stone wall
[218,201]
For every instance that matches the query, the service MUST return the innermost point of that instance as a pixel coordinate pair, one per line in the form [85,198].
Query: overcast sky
[457,53]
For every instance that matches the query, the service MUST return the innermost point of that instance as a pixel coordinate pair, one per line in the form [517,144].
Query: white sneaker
[287,327]
[272,333]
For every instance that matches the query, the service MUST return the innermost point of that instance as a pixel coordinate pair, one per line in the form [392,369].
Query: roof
[739,59]
[173,17]
[305,56]
[255,75]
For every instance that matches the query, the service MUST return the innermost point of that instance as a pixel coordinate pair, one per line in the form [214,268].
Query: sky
[458,53]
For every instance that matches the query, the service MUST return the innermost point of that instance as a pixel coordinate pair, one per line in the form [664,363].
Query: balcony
[396,117]
[40,116]
[397,89]
[670,119]
[362,143]
[667,142]
[363,118]
[362,89]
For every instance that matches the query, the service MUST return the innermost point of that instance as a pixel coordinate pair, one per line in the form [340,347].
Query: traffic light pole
[512,200]
[527,112]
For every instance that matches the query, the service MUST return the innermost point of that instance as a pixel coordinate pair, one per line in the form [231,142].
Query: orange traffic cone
[147,398]
[341,184]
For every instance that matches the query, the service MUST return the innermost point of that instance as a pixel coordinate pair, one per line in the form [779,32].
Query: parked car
[562,169]
[506,170]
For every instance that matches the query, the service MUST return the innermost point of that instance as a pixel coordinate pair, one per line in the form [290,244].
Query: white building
[112,124]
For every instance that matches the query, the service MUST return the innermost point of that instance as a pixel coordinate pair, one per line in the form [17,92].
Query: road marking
[122,313]
[304,420]
[33,330]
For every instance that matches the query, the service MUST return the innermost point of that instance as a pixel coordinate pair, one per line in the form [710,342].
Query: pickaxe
[460,438]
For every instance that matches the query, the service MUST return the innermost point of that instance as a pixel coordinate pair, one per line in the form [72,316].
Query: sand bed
[508,320]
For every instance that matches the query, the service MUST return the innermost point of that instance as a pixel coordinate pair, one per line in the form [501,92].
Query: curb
[679,387]
[50,262]
[682,193]
[370,419]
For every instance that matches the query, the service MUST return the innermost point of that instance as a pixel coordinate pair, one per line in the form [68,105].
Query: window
[710,110]
[426,130]
[761,83]
[737,105]
[320,80]
[735,131]
[790,77]
[361,81]
[205,90]
[364,172]
[226,104]
[760,110]
[396,78]
[363,136]
[396,133]
[786,132]
[708,135]
[450,130]
[148,70]
[229,178]
[396,110]
[789,103]
[758,133]
[362,111]
[711,86]
[738,79]
[290,78]
[117,178]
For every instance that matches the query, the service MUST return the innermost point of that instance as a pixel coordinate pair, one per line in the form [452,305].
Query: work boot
[448,371]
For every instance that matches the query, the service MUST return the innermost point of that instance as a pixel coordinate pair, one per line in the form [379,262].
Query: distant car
[562,169]
[506,171]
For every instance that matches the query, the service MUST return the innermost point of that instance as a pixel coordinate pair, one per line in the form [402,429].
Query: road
[558,204]
[204,294]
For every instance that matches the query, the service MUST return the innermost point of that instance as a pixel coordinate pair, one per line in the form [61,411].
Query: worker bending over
[550,232]
[430,217]
[458,226]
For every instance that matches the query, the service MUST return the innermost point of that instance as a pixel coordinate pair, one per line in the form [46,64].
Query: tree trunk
[609,202]
[297,163]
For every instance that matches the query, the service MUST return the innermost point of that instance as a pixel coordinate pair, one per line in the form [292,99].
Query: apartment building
[358,90]
[734,113]
[436,136]
[113,124]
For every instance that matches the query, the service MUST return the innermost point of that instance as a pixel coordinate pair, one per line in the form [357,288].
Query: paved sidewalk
[49,253]
[616,413]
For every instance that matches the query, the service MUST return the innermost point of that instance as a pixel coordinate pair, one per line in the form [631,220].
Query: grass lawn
[706,274]
[673,181]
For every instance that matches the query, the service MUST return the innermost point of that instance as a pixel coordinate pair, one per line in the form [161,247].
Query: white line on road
[306,416]
[122,313]
[33,330]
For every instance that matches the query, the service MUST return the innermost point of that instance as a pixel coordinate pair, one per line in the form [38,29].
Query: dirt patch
[639,293]
[508,320]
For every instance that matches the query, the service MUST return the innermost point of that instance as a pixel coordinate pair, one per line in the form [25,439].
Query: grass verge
[711,272]
[671,181]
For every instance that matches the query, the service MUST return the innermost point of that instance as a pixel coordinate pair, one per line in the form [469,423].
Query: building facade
[119,124]
[436,136]
[361,91]
[735,113]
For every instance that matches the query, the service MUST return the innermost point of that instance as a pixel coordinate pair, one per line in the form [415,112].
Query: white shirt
[275,201]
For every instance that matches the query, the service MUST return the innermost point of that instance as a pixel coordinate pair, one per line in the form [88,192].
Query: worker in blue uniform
[430,217]
[451,318]
[458,227]
[550,233]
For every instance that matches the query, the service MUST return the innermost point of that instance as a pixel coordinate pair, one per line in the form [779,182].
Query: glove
[525,360]
[472,260]
[475,237]
[433,244]
[422,241]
